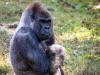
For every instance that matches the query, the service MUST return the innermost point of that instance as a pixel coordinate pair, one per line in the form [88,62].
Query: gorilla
[57,55]
[35,30]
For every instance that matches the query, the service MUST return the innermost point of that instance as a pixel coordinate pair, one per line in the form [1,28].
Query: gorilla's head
[42,22]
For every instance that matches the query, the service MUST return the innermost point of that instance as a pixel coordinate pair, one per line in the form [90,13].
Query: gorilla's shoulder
[25,30]
[23,33]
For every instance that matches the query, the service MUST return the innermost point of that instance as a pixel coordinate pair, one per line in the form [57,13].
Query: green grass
[77,29]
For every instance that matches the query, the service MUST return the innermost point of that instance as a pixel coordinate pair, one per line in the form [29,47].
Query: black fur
[27,54]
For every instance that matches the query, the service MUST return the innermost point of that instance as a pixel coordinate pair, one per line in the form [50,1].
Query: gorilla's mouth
[44,36]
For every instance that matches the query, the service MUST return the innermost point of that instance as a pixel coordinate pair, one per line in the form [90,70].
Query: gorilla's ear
[33,16]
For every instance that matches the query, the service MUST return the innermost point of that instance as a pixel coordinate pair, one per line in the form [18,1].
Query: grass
[76,27]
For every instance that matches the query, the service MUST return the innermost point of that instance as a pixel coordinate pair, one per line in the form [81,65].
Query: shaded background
[76,26]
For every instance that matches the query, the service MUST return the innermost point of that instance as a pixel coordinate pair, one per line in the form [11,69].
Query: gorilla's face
[43,28]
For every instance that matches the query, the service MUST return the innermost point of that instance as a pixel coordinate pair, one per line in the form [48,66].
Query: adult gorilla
[27,58]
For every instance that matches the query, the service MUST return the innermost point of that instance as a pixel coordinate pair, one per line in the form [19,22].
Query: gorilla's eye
[49,21]
[42,21]
[45,21]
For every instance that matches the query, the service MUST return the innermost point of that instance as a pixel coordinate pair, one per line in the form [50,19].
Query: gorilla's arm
[48,42]
[30,52]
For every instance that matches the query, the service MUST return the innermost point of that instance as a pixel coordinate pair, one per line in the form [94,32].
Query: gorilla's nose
[46,27]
